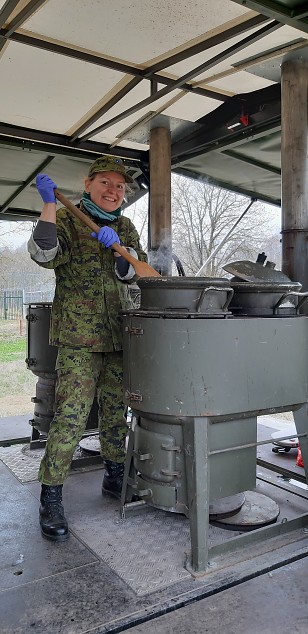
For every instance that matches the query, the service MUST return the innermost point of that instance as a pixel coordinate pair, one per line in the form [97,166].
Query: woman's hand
[46,187]
[106,236]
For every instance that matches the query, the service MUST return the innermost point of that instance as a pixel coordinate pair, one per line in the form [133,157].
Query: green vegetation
[17,383]
[12,350]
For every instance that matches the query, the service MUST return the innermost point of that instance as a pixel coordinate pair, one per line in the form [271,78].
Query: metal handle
[291,294]
[230,293]
[302,301]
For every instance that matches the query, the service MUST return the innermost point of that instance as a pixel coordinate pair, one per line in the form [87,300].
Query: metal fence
[13,302]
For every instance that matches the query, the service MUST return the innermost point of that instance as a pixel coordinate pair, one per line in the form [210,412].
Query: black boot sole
[55,538]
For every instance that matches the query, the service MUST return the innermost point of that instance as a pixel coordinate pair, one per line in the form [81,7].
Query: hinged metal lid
[255,272]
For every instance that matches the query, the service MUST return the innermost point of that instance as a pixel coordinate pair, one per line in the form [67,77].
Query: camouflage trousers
[80,376]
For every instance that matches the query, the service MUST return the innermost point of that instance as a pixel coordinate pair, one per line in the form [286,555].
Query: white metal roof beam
[266,30]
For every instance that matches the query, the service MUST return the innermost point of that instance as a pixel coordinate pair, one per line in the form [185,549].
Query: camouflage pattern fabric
[86,310]
[81,374]
[110,164]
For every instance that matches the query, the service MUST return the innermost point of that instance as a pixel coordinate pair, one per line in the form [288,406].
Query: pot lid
[255,272]
[182,282]
[268,287]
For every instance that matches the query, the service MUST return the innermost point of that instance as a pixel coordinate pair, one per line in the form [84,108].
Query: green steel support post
[196,451]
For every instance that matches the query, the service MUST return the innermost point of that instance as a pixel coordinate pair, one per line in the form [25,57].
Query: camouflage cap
[109,164]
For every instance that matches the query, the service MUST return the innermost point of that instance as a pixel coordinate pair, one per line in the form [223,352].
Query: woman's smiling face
[106,189]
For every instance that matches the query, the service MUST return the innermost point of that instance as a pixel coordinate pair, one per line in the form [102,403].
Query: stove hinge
[134,331]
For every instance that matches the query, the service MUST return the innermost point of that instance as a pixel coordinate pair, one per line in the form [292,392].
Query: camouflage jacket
[88,296]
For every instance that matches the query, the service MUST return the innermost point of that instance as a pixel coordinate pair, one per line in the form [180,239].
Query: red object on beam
[244,119]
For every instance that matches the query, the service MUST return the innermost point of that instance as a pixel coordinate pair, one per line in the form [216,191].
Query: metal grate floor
[23,462]
[146,549]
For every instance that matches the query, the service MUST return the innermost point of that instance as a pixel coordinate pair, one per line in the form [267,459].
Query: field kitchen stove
[196,377]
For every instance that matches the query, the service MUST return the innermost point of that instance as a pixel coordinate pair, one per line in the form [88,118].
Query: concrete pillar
[160,232]
[294,167]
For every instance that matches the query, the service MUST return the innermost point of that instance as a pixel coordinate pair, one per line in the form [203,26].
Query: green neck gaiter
[96,211]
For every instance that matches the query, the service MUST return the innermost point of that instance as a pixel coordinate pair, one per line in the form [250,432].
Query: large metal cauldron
[41,360]
[196,387]
[196,297]
[262,290]
[266,298]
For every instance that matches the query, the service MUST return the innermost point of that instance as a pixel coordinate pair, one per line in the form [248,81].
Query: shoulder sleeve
[60,254]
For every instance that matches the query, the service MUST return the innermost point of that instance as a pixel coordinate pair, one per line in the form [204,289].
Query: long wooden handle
[142,268]
[77,212]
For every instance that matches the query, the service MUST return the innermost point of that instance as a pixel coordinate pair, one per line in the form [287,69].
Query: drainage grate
[22,461]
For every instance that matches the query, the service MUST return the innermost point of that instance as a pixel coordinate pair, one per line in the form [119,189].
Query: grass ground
[17,383]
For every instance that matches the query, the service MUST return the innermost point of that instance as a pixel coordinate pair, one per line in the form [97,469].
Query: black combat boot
[113,478]
[53,523]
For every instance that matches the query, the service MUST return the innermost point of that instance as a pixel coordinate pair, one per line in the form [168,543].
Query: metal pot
[266,298]
[202,296]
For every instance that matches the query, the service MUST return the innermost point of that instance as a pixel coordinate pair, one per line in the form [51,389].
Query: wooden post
[294,167]
[160,233]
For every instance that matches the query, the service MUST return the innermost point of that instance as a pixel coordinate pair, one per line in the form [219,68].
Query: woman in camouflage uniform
[86,326]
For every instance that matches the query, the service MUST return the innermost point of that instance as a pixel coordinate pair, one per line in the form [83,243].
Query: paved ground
[114,575]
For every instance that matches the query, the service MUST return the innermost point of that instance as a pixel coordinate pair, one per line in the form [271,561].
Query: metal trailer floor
[114,575]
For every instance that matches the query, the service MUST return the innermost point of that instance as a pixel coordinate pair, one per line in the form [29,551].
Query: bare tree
[272,247]
[18,271]
[138,214]
[203,214]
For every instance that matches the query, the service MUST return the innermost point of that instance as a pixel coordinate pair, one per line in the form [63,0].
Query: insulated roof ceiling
[82,78]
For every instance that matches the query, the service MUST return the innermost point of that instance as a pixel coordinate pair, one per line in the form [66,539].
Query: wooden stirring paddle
[142,269]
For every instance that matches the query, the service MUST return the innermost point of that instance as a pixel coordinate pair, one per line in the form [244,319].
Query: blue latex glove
[46,187]
[106,236]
